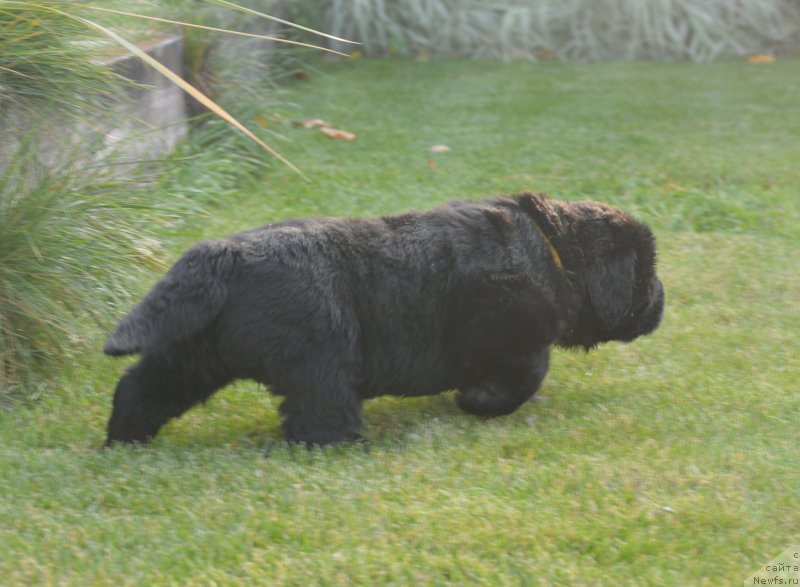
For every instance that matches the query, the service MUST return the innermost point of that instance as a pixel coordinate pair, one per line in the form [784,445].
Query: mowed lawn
[673,460]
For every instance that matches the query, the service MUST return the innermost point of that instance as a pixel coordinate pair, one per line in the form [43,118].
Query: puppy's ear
[610,284]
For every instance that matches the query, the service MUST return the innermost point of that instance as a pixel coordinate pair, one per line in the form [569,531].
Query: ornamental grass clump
[75,243]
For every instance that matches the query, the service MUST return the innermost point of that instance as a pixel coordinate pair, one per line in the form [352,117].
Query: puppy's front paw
[485,400]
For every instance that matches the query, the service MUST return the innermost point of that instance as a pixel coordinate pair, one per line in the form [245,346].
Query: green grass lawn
[669,461]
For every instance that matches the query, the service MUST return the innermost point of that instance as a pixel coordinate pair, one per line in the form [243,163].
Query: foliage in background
[216,164]
[236,69]
[698,30]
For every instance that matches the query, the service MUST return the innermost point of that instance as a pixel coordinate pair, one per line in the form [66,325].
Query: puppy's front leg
[325,411]
[508,389]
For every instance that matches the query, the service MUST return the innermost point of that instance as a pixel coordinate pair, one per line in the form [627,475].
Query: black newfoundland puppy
[329,312]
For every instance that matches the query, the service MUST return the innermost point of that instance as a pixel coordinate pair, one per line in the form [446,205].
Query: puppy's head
[623,298]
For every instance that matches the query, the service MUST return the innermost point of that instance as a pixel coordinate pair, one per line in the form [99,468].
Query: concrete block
[141,122]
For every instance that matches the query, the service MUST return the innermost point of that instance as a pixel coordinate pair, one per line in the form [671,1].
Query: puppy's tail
[186,300]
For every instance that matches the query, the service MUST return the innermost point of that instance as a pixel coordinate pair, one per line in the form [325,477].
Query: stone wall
[153,114]
[145,120]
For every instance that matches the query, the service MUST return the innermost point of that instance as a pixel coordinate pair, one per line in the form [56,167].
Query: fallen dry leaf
[314,122]
[761,58]
[337,134]
[671,186]
[439,149]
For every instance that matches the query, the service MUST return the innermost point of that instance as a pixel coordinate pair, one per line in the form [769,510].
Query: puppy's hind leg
[162,386]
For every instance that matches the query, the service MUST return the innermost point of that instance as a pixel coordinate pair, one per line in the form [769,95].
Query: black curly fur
[329,312]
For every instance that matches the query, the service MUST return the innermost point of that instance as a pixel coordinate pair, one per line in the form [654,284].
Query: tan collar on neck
[553,252]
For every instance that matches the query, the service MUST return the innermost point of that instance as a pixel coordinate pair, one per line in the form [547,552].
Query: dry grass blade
[214,29]
[16,72]
[278,20]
